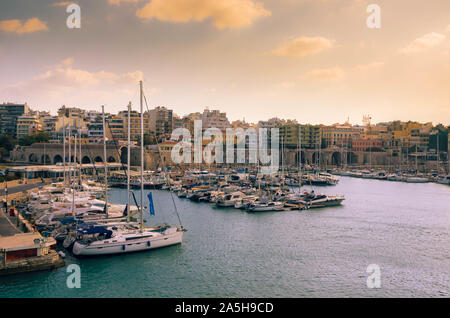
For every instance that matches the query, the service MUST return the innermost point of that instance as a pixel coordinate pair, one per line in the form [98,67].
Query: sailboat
[94,239]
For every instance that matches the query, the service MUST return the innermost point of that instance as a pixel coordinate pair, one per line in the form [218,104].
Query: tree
[3,153]
[148,140]
[29,140]
[7,142]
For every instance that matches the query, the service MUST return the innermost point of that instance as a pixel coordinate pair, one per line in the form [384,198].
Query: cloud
[16,26]
[448,28]
[232,14]
[119,2]
[326,74]
[369,66]
[62,3]
[63,83]
[424,43]
[303,46]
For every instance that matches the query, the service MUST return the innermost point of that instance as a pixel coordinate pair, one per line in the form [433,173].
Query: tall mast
[300,159]
[64,149]
[142,157]
[79,142]
[128,162]
[74,157]
[416,159]
[73,181]
[437,151]
[70,159]
[105,161]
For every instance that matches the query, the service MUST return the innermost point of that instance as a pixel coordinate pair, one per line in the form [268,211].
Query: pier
[21,248]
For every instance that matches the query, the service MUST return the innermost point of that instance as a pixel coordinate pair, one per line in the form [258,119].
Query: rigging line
[93,161]
[168,178]
[123,166]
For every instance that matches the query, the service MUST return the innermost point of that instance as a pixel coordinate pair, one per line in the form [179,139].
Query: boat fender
[148,243]
[123,247]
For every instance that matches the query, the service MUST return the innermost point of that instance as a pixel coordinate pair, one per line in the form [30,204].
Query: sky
[315,61]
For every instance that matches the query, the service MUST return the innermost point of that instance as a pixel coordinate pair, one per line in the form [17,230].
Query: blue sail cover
[152,208]
[68,220]
[92,229]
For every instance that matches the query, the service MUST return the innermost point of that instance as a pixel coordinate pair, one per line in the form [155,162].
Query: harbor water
[403,228]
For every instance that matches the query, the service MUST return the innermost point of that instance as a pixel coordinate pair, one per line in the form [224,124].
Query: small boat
[312,200]
[229,200]
[265,207]
[416,180]
[69,241]
[182,193]
[445,180]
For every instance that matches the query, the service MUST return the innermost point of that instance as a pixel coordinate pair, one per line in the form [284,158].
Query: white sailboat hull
[137,245]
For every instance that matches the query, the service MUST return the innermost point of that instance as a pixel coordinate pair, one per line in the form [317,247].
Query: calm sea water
[403,228]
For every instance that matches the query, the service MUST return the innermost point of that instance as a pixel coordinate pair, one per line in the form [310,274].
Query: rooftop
[21,241]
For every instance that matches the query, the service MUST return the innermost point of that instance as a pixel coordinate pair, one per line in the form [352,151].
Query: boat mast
[416,159]
[105,162]
[70,159]
[142,159]
[74,157]
[64,148]
[73,181]
[128,162]
[300,159]
[79,158]
[437,151]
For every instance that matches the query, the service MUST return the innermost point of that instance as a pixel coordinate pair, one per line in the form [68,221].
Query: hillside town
[421,143]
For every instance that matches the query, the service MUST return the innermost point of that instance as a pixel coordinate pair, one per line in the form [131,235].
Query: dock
[21,248]
[27,252]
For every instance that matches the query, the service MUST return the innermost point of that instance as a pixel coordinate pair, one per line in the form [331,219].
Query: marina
[228,252]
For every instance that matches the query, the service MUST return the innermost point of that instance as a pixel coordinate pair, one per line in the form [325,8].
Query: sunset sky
[311,60]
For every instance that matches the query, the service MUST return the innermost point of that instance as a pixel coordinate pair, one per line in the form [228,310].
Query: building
[71,112]
[9,114]
[116,127]
[161,121]
[28,126]
[95,132]
[309,135]
[340,135]
[215,119]
[271,123]
[49,126]
[366,144]
[73,118]
[135,124]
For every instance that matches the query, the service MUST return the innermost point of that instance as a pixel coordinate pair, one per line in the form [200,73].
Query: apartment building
[28,126]
[161,120]
[9,114]
[341,135]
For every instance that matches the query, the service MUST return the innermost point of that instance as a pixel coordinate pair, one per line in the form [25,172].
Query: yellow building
[310,136]
[135,124]
[28,126]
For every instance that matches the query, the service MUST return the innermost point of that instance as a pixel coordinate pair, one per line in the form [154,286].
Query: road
[7,226]
[22,187]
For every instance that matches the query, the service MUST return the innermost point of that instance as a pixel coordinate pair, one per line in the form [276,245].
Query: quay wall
[50,261]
